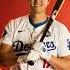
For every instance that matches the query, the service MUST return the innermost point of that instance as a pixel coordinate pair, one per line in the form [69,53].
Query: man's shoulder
[58,24]
[17,21]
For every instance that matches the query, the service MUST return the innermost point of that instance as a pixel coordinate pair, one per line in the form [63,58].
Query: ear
[48,2]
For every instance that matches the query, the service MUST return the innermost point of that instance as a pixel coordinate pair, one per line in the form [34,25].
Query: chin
[39,10]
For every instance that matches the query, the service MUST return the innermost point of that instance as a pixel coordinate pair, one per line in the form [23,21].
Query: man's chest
[28,36]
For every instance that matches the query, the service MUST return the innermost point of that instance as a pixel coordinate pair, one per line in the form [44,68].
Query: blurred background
[10,9]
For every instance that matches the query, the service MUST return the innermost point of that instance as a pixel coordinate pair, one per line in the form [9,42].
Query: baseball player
[54,51]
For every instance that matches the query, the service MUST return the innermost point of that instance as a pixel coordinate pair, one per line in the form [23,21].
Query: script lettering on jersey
[68,41]
[20,49]
[49,46]
[18,45]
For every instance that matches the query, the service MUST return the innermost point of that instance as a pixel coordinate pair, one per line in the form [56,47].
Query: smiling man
[54,51]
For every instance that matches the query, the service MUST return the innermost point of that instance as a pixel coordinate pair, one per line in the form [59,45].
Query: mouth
[38,4]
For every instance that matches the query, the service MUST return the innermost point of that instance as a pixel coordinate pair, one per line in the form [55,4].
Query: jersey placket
[37,33]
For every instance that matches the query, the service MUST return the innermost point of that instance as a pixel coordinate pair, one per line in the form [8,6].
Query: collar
[38,24]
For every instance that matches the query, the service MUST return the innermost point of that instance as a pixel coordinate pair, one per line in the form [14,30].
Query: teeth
[37,4]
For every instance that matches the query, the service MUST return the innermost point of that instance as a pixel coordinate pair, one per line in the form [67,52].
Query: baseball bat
[53,15]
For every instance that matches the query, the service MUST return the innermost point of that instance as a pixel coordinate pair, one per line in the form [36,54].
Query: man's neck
[38,17]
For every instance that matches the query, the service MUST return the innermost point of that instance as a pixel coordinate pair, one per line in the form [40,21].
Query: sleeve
[64,42]
[7,37]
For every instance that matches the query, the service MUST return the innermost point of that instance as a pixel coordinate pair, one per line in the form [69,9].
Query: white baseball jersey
[56,41]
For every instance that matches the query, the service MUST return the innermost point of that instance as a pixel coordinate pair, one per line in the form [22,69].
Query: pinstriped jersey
[56,41]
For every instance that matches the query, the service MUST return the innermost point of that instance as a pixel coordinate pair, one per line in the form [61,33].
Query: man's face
[38,5]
